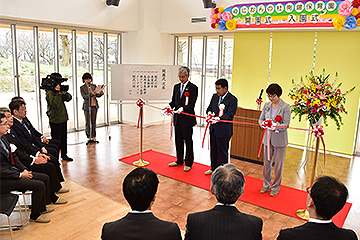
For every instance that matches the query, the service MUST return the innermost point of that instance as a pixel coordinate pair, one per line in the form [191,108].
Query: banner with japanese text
[292,14]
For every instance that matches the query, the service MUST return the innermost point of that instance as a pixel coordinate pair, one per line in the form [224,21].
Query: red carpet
[286,202]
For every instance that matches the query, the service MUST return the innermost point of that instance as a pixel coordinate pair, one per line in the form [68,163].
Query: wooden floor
[95,178]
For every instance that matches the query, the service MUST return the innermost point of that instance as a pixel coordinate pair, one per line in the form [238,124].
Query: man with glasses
[18,110]
[183,100]
[325,199]
[223,105]
[15,176]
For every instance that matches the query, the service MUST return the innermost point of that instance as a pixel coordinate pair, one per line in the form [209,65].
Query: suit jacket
[23,133]
[177,102]
[9,172]
[84,90]
[33,130]
[318,231]
[140,226]
[223,222]
[222,129]
[280,138]
[23,150]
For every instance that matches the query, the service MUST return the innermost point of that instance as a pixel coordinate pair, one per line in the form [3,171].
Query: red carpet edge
[286,202]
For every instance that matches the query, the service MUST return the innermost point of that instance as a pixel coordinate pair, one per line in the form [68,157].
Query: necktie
[7,150]
[182,90]
[220,101]
[26,127]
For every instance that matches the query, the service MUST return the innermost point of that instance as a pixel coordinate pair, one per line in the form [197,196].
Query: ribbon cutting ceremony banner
[292,14]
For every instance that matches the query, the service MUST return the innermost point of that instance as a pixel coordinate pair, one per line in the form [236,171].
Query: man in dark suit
[326,198]
[183,100]
[35,132]
[224,221]
[18,110]
[223,105]
[15,176]
[139,188]
[36,161]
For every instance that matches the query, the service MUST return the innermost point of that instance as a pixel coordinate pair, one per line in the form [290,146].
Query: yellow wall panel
[292,57]
[339,52]
[250,67]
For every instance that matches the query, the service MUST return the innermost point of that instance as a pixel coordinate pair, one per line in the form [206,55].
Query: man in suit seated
[326,197]
[139,188]
[18,110]
[15,176]
[224,221]
[35,132]
[33,160]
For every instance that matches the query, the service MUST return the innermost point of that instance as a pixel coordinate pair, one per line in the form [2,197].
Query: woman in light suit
[279,112]
[89,95]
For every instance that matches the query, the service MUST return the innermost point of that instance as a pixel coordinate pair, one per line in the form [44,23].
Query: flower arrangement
[317,97]
[221,19]
[349,16]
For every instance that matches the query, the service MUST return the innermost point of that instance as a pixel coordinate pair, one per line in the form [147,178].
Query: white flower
[12,147]
[222,106]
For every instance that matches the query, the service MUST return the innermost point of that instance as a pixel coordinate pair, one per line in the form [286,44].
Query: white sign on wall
[149,82]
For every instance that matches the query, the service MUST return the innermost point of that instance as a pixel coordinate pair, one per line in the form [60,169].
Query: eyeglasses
[4,124]
[272,96]
[308,190]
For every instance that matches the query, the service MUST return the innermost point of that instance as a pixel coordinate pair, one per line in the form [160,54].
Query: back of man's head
[227,183]
[15,105]
[329,196]
[139,188]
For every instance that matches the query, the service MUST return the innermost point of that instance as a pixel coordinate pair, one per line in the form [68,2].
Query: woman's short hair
[274,88]
[86,76]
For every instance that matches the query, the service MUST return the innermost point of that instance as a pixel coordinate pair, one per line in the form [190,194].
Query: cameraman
[56,111]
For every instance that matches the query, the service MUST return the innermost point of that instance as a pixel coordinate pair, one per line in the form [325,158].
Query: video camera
[50,82]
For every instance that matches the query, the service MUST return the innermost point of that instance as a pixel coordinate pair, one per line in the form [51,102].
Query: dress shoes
[61,200]
[63,190]
[187,168]
[274,193]
[264,190]
[208,172]
[66,158]
[173,164]
[48,210]
[41,219]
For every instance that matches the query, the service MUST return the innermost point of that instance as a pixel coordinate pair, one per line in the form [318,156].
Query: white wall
[84,13]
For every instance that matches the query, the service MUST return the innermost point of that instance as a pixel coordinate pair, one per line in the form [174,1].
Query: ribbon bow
[140,103]
[318,132]
[209,120]
[169,112]
[268,125]
[259,101]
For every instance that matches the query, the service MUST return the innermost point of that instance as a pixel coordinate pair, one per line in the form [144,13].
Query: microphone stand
[90,122]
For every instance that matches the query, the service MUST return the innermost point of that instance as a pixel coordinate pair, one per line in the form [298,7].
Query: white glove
[216,119]
[209,113]
[179,110]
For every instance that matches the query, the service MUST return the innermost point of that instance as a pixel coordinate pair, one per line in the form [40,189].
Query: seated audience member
[326,197]
[15,176]
[139,188]
[18,110]
[224,221]
[33,160]
[35,132]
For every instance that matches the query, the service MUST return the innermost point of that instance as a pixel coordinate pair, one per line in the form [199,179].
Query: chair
[25,207]
[7,205]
